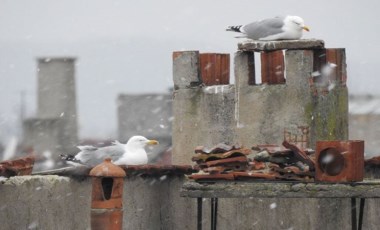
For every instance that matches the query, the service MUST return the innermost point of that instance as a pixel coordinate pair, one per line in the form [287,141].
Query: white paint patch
[215,89]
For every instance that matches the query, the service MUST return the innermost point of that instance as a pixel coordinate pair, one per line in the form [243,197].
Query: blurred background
[117,56]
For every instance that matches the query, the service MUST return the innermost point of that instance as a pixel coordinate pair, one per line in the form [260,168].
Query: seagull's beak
[306,28]
[152,142]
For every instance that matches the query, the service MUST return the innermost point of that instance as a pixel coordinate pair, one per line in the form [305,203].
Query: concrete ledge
[367,189]
[45,202]
[258,46]
[57,202]
[49,180]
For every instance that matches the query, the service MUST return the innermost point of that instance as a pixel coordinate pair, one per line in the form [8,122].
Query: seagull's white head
[296,22]
[140,142]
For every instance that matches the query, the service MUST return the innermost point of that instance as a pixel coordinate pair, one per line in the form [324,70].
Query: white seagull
[135,153]
[131,153]
[278,28]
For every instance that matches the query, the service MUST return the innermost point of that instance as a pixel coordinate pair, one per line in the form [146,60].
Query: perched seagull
[134,151]
[278,28]
[131,153]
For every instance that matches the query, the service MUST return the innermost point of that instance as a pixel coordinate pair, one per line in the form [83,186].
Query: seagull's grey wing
[93,157]
[264,28]
[114,152]
[87,148]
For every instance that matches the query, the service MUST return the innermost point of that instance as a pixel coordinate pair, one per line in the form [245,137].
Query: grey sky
[126,46]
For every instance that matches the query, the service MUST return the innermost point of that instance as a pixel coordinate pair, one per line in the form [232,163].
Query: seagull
[131,153]
[278,28]
[135,153]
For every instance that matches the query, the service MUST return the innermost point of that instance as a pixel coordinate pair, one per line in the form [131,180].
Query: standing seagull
[278,28]
[132,152]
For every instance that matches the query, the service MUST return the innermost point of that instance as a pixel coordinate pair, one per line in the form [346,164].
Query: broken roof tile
[215,170]
[273,162]
[17,167]
[291,170]
[225,161]
[257,165]
[273,150]
[219,148]
[373,161]
[200,157]
[300,154]
[264,156]
[277,150]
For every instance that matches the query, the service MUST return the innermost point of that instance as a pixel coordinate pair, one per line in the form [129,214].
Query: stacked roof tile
[268,162]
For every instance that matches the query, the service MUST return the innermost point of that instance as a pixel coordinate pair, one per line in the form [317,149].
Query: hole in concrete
[107,184]
[331,161]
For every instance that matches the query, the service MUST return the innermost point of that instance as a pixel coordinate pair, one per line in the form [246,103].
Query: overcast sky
[125,46]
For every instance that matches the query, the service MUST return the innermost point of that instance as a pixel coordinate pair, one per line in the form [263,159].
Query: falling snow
[33,225]
[328,158]
[331,86]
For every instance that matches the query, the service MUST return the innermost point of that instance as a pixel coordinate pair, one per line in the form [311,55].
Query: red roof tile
[18,167]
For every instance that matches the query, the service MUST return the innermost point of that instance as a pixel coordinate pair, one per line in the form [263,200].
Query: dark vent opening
[331,161]
[107,184]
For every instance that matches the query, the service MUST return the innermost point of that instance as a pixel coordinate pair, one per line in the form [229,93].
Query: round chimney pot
[107,169]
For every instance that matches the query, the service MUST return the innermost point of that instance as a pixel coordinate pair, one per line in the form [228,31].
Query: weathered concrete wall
[250,114]
[44,202]
[54,202]
[198,120]
[259,114]
[154,203]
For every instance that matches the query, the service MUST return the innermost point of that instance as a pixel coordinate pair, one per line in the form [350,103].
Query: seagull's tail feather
[70,159]
[67,157]
[116,142]
[234,28]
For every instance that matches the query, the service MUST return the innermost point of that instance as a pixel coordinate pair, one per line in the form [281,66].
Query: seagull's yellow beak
[152,142]
[306,28]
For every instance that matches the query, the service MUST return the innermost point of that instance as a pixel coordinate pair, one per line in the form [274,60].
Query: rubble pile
[266,162]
